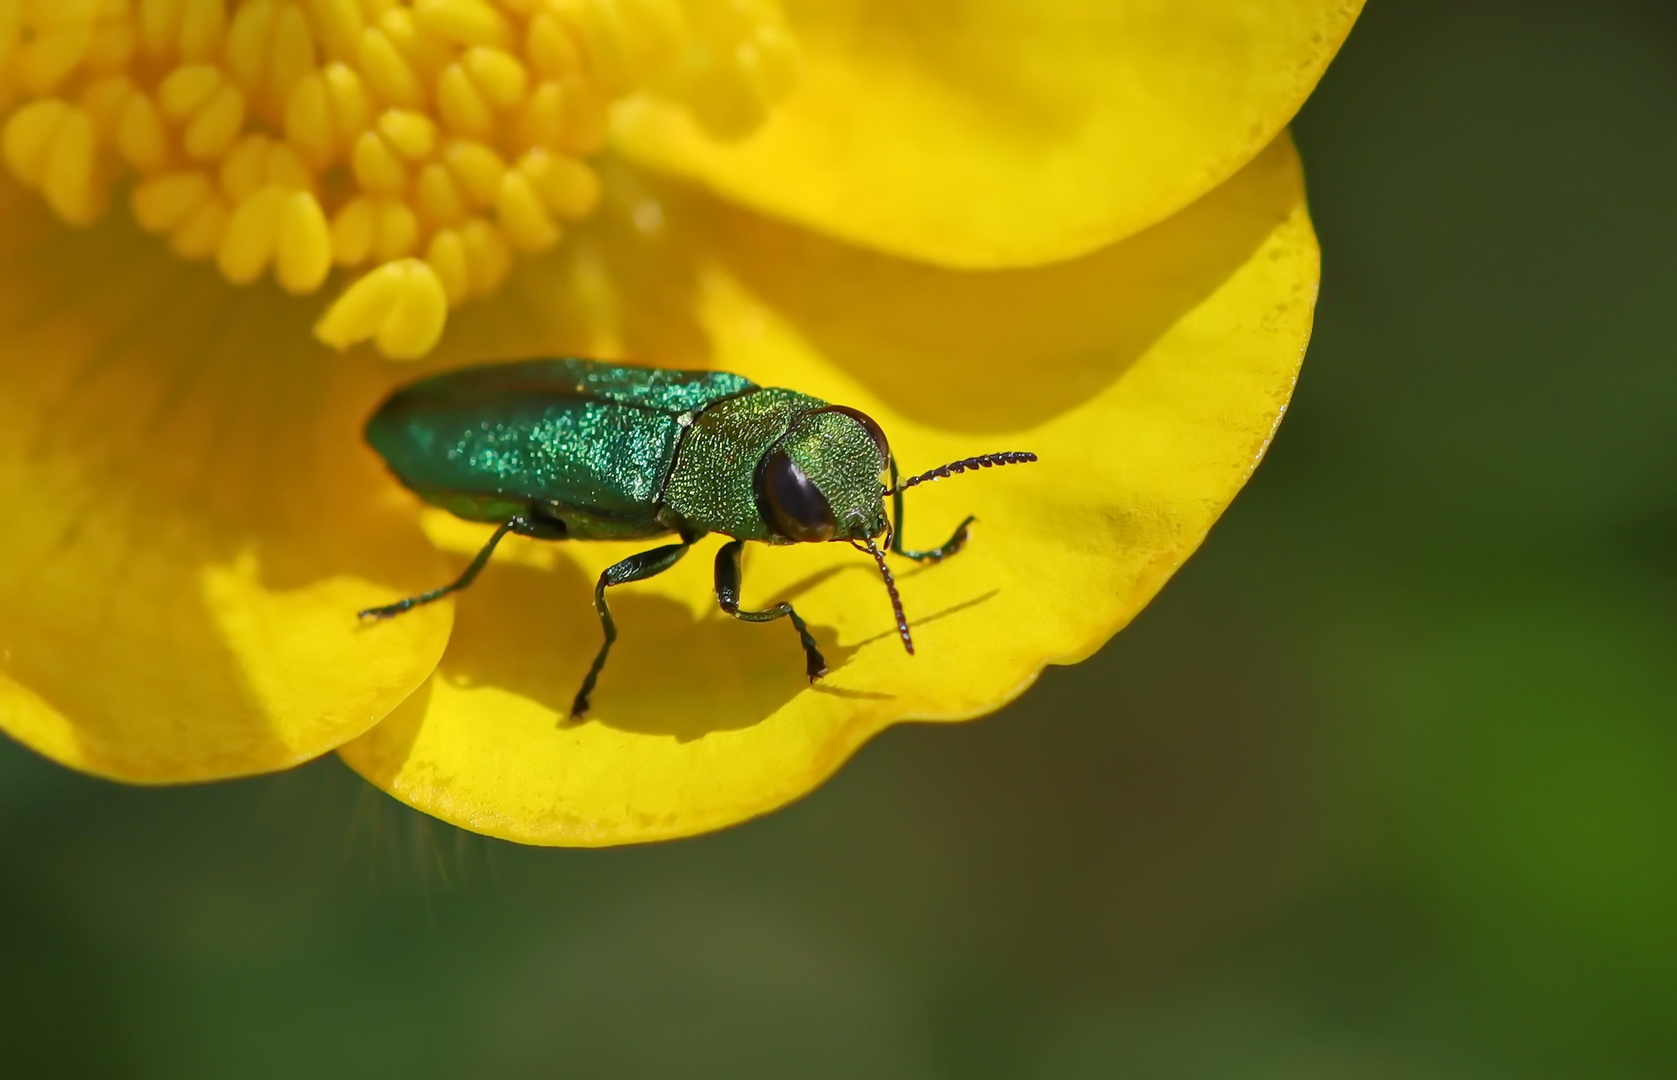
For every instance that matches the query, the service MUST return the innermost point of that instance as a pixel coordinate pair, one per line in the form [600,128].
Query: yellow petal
[1149,377]
[1008,132]
[191,522]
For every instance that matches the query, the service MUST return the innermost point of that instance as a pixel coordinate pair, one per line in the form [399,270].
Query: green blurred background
[1383,785]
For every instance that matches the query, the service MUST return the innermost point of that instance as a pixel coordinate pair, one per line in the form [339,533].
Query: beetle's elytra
[572,449]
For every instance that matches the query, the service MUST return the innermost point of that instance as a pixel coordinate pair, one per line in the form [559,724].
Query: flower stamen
[406,148]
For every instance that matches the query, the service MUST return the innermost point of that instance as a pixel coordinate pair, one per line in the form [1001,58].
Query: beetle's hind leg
[728,596]
[465,579]
[635,568]
[535,524]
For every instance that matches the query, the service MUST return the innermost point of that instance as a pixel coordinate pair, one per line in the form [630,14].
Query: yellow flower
[1071,228]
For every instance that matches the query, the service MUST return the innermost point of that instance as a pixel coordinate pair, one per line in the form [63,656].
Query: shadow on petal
[532,633]
[968,352]
[997,351]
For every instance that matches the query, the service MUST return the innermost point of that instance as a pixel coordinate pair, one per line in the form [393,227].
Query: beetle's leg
[728,596]
[456,585]
[634,568]
[943,551]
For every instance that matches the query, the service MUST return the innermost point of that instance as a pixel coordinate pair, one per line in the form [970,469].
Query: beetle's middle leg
[728,596]
[635,568]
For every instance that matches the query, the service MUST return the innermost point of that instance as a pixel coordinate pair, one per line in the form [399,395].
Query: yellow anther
[158,22]
[461,105]
[377,168]
[541,119]
[426,53]
[465,22]
[112,48]
[477,168]
[747,63]
[438,197]
[245,168]
[140,136]
[231,124]
[567,186]
[339,23]
[387,72]
[29,137]
[104,100]
[447,255]
[199,237]
[350,104]
[286,168]
[304,257]
[552,47]
[628,41]
[252,236]
[410,134]
[395,230]
[352,233]
[583,130]
[187,89]
[201,26]
[165,203]
[487,256]
[291,57]
[269,50]
[308,121]
[525,220]
[402,306]
[247,42]
[212,131]
[50,57]
[69,181]
[500,77]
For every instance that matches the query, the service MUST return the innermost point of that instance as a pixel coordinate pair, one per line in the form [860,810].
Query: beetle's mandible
[568,449]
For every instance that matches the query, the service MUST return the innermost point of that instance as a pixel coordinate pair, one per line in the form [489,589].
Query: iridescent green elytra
[581,450]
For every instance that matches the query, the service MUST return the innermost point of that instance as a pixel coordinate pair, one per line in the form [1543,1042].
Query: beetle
[573,449]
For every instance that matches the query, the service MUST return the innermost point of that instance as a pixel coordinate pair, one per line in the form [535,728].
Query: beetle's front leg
[728,597]
[634,568]
[942,551]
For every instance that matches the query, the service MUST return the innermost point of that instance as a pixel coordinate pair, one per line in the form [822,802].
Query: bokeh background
[1384,785]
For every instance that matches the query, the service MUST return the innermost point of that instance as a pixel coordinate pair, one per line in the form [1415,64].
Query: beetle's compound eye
[869,425]
[795,506]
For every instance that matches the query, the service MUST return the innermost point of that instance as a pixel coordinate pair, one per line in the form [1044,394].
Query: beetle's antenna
[891,587]
[982,461]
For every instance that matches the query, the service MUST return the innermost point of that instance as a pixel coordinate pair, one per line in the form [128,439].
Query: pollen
[400,155]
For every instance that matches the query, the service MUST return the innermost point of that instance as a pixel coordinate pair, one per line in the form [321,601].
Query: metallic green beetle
[571,449]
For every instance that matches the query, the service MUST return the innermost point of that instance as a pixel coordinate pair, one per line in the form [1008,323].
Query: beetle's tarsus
[952,546]
[728,599]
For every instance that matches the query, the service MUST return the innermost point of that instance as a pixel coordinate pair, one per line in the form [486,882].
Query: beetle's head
[821,481]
